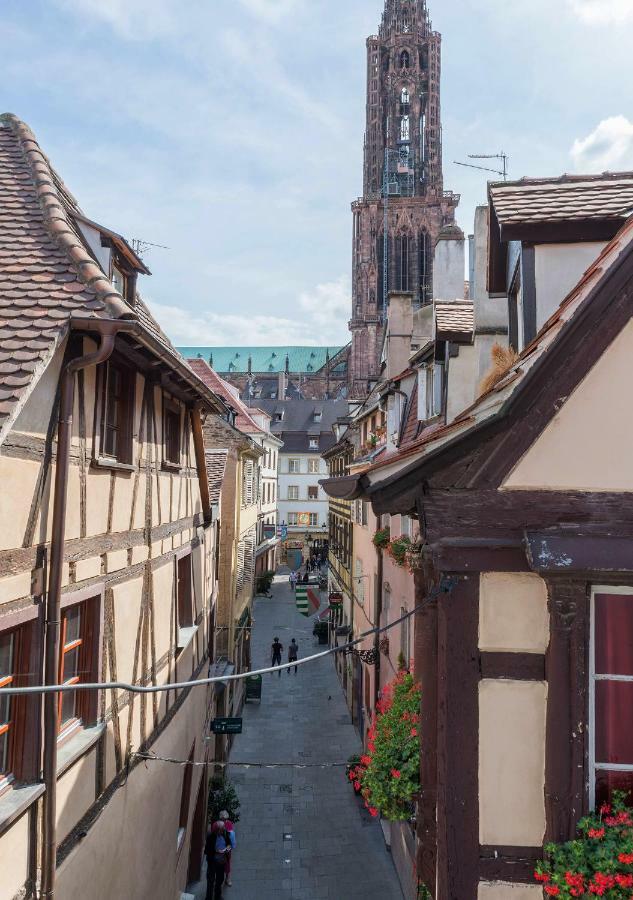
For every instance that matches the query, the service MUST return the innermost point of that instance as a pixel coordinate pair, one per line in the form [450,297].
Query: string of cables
[445,587]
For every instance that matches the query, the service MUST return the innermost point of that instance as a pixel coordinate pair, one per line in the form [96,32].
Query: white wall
[303,479]
[559,267]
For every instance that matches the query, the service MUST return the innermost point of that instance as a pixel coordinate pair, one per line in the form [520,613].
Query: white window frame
[294,466]
[314,443]
[295,516]
[594,766]
[314,520]
[314,466]
[293,492]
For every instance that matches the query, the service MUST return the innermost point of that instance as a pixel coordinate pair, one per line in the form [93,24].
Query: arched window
[405,59]
[405,97]
[380,256]
[425,256]
[404,258]
[405,128]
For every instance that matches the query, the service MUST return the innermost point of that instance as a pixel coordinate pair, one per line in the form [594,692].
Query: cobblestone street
[302,833]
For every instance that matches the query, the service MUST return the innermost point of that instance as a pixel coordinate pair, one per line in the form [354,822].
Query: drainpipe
[378,616]
[107,330]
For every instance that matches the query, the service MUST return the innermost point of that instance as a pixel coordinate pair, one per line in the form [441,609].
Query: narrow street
[302,834]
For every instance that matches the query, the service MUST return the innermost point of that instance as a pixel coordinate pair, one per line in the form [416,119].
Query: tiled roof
[455,320]
[298,415]
[216,466]
[582,197]
[244,422]
[46,273]
[493,402]
[234,360]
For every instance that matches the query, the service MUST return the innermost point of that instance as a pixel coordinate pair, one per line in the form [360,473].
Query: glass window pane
[6,655]
[69,701]
[608,782]
[5,710]
[614,634]
[614,722]
[71,664]
[73,624]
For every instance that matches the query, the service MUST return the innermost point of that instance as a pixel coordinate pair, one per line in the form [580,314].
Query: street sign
[254,687]
[226,726]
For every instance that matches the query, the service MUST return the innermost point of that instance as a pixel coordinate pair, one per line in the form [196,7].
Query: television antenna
[501,156]
[140,247]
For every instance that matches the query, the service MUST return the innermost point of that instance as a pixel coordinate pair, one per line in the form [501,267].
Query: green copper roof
[263,359]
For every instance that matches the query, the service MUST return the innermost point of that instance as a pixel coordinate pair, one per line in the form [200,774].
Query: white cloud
[322,319]
[271,11]
[602,12]
[135,19]
[608,147]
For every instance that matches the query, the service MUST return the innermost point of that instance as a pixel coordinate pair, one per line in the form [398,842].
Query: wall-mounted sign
[226,726]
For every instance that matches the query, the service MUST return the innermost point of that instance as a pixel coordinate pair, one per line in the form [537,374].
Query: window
[293,492]
[185,800]
[314,443]
[313,492]
[119,281]
[8,672]
[405,526]
[404,638]
[118,412]
[314,520]
[430,391]
[425,266]
[294,466]
[79,654]
[318,415]
[184,593]
[405,60]
[314,466]
[293,518]
[405,128]
[171,433]
[249,488]
[404,262]
[405,96]
[611,693]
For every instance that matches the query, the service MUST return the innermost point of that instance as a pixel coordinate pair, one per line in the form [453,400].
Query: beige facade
[139,565]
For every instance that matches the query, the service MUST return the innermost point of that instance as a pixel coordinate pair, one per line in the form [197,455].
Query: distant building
[305,427]
[317,373]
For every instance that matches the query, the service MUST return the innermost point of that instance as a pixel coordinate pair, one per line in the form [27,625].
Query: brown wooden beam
[513,666]
[512,864]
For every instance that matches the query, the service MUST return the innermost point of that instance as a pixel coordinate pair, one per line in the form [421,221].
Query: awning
[348,487]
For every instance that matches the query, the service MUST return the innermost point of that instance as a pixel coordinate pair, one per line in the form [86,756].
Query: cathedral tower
[404,205]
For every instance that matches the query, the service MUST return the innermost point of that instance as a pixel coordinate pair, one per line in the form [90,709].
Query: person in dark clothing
[293,655]
[276,651]
[217,845]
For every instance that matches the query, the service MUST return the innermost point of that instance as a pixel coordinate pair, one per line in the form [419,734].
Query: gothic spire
[405,17]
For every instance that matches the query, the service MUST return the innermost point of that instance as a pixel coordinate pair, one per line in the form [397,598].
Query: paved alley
[302,833]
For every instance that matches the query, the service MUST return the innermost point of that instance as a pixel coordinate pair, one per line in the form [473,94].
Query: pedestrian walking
[230,830]
[293,655]
[276,650]
[217,845]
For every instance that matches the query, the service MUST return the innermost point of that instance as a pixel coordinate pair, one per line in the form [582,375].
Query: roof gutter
[107,329]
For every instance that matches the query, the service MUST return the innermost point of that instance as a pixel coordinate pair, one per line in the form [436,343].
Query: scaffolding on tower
[398,180]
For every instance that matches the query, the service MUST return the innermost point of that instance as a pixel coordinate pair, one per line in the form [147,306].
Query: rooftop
[272,360]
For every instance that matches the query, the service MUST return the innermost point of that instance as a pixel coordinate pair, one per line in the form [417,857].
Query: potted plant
[389,772]
[398,549]
[599,862]
[222,796]
[381,538]
[321,631]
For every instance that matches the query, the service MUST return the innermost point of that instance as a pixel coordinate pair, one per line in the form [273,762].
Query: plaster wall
[75,793]
[513,615]
[462,381]
[302,479]
[502,890]
[512,762]
[558,269]
[588,444]
[448,269]
[127,612]
[14,854]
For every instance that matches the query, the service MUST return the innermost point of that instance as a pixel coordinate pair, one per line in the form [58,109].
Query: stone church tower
[404,205]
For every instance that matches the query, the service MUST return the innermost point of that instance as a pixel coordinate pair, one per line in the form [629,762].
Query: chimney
[399,332]
[448,264]
[282,385]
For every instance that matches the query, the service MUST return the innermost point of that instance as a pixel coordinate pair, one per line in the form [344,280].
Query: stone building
[404,207]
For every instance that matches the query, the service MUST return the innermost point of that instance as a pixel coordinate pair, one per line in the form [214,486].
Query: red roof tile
[244,421]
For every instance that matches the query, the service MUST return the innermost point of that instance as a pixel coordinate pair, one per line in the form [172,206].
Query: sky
[231,132]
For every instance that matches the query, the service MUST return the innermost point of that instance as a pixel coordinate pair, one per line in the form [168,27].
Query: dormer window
[318,415]
[118,280]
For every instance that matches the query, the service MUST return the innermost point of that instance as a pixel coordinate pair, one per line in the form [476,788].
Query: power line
[152,757]
[445,587]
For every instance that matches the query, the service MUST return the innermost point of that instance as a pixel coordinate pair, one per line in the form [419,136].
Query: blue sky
[231,131]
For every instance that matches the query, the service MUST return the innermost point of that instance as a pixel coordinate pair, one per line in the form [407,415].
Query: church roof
[234,360]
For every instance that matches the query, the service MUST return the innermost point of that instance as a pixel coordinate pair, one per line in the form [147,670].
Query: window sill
[185,637]
[16,801]
[76,746]
[167,466]
[104,462]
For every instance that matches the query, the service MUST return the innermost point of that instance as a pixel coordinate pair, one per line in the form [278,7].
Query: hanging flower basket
[381,538]
[398,549]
